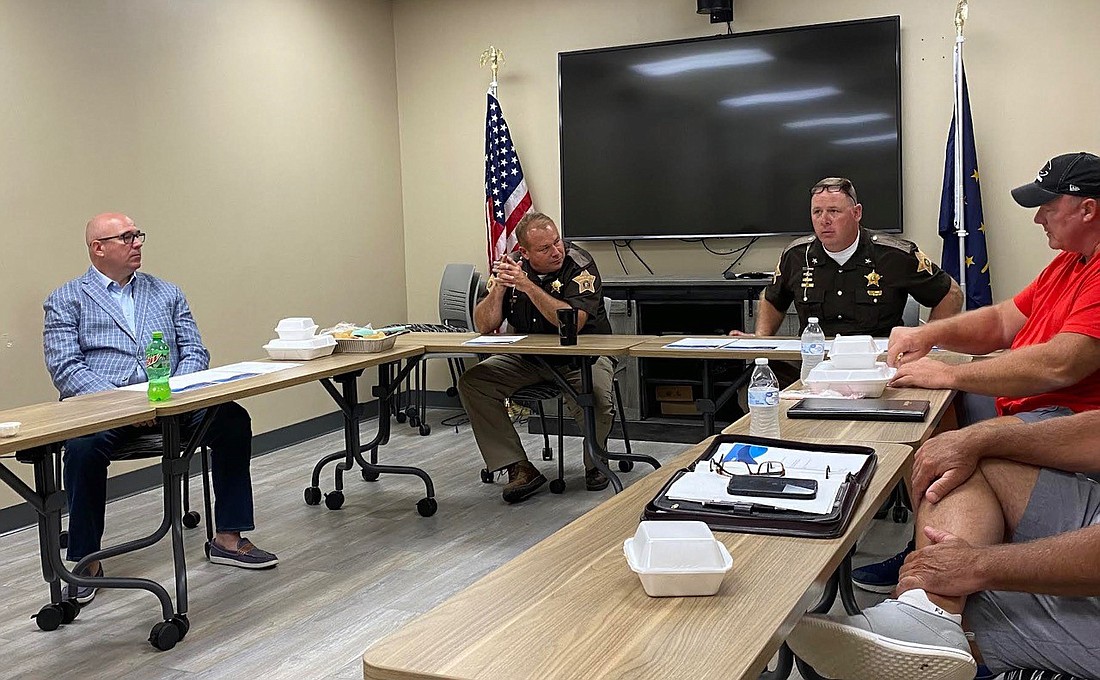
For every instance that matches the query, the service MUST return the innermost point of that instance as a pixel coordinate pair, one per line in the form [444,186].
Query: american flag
[506,196]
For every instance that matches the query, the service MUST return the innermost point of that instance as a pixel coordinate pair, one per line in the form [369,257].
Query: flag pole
[960,222]
[495,59]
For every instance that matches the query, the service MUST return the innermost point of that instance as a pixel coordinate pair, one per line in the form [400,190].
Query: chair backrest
[457,291]
[911,315]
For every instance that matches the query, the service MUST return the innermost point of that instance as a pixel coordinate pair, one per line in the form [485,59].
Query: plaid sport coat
[89,347]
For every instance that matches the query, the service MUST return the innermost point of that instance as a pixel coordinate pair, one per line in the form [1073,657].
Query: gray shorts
[1043,632]
[974,408]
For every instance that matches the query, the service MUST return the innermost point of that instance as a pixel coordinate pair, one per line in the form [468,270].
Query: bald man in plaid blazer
[96,329]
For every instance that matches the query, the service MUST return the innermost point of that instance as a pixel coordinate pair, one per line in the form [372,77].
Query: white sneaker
[906,639]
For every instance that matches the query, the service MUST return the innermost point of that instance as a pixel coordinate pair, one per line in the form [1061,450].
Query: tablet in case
[759,518]
[905,410]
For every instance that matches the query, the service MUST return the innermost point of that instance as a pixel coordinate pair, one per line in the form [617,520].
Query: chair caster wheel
[64,539]
[69,611]
[334,500]
[882,512]
[557,485]
[427,507]
[191,519]
[486,476]
[410,411]
[313,495]
[400,416]
[626,465]
[164,635]
[899,514]
[370,475]
[548,453]
[49,617]
[425,429]
[452,392]
[182,623]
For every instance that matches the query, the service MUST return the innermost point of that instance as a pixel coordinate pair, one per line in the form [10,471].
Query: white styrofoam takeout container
[853,352]
[677,559]
[296,328]
[291,350]
[865,382]
[10,428]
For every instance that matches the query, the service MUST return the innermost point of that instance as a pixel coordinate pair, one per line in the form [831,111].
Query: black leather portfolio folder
[915,410]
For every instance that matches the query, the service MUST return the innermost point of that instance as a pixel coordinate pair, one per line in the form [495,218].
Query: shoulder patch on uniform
[579,255]
[891,241]
[804,241]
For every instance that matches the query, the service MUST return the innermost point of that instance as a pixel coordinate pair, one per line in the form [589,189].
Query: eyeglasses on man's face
[126,237]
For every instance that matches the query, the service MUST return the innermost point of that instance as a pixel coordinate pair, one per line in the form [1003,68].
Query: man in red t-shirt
[1052,328]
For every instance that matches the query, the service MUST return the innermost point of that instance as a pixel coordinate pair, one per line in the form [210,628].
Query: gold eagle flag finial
[494,58]
[961,11]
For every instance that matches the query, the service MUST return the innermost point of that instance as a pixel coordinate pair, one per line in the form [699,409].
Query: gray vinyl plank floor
[346,579]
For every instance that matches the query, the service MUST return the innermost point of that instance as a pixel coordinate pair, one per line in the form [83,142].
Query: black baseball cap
[1071,174]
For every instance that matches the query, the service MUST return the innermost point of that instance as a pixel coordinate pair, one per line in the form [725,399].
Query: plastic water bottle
[763,401]
[813,347]
[158,366]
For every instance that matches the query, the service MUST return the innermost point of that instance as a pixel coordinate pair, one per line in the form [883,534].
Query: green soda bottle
[158,366]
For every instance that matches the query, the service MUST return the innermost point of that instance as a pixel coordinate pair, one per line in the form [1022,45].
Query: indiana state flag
[978,291]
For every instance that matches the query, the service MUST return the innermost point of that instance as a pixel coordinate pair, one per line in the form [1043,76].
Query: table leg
[585,399]
[347,398]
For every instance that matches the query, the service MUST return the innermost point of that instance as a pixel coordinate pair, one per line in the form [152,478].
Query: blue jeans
[87,458]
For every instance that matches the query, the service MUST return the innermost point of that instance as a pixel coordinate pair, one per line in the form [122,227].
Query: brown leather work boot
[594,480]
[524,479]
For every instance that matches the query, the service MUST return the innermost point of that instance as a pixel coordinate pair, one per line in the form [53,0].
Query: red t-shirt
[1064,298]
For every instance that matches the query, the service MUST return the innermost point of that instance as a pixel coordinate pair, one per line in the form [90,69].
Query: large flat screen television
[724,136]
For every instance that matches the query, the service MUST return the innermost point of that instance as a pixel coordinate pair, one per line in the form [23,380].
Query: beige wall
[255,141]
[1033,95]
[324,157]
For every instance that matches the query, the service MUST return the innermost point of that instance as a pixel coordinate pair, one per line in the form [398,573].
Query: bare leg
[982,511]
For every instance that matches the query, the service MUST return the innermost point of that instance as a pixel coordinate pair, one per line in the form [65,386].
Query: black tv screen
[724,136]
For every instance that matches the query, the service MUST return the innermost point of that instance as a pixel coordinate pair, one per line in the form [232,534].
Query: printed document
[215,376]
[494,340]
[699,343]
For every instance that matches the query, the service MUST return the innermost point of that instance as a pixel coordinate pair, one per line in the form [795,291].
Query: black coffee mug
[567,326]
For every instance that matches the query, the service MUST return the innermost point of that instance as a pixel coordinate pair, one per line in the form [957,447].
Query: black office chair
[534,396]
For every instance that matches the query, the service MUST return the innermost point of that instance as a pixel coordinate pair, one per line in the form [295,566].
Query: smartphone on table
[794,488]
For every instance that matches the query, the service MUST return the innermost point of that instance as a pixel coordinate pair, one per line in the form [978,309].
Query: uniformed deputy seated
[551,275]
[854,280]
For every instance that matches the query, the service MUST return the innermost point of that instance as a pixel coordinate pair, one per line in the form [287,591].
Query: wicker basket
[363,345]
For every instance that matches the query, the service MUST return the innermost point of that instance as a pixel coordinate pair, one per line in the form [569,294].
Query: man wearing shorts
[1052,328]
[1005,568]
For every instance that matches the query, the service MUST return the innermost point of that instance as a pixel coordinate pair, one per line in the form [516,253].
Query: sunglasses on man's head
[840,187]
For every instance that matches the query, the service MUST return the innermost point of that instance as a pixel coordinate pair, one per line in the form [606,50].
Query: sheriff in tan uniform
[551,275]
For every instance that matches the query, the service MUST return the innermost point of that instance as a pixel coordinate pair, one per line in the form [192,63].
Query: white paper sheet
[494,340]
[764,343]
[704,486]
[699,343]
[214,376]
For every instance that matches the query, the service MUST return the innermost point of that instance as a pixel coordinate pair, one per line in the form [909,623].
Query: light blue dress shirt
[124,298]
